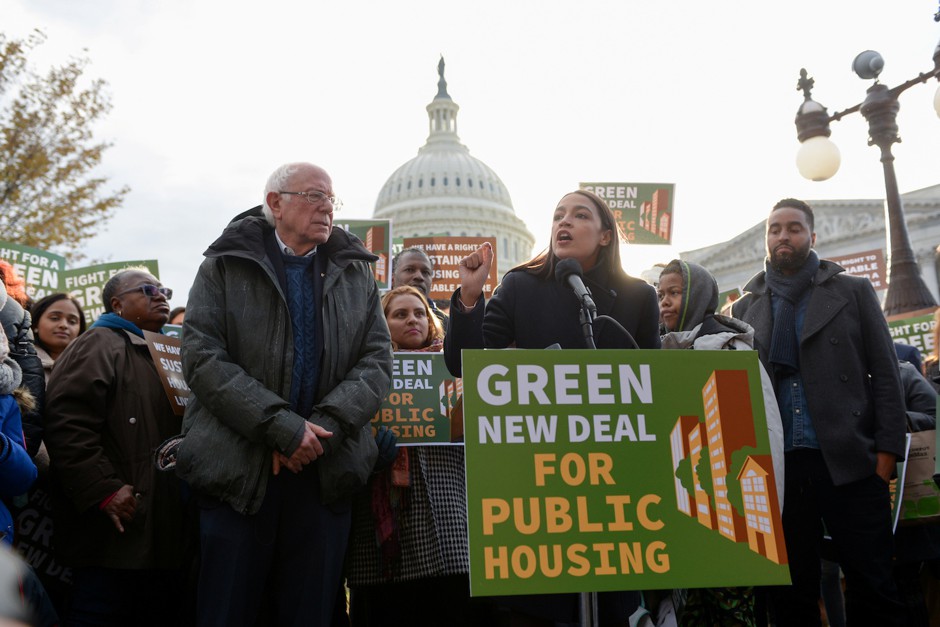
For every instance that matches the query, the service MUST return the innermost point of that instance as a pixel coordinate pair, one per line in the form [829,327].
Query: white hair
[276,182]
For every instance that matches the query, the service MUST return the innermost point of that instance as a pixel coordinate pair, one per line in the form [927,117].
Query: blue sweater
[302,304]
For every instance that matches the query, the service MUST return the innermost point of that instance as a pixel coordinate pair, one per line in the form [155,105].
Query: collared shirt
[798,429]
[287,250]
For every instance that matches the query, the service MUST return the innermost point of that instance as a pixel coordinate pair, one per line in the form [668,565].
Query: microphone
[568,271]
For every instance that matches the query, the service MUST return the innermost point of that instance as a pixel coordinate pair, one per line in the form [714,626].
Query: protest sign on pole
[40,269]
[916,330]
[618,470]
[644,211]
[165,352]
[445,254]
[727,298]
[376,235]
[869,264]
[425,402]
[87,284]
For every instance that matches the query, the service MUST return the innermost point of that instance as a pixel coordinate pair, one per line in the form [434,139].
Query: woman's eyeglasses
[150,291]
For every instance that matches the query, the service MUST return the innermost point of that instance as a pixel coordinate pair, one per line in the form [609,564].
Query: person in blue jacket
[17,471]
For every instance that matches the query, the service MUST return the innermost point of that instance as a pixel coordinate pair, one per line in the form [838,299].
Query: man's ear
[274,202]
[812,241]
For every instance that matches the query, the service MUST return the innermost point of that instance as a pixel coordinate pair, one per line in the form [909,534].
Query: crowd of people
[282,498]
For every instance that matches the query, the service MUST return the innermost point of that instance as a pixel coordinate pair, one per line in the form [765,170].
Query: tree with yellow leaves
[49,197]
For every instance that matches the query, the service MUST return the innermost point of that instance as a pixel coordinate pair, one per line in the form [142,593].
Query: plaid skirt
[431,521]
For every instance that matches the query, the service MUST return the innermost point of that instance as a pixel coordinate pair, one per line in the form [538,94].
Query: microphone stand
[587,615]
[587,316]
[588,606]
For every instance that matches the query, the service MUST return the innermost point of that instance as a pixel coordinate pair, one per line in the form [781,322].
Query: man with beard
[821,335]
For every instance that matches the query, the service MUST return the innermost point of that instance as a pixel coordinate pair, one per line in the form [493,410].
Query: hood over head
[699,294]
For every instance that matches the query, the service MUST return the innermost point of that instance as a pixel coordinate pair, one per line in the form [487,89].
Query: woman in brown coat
[118,521]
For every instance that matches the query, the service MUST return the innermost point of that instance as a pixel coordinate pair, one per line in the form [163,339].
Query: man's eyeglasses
[150,291]
[315,198]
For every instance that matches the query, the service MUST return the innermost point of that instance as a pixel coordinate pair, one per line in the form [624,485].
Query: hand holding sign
[474,269]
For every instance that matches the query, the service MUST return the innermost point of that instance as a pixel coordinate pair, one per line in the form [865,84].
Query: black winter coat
[107,412]
[238,347]
[529,312]
[848,365]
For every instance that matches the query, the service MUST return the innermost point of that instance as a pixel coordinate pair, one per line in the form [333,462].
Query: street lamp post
[818,159]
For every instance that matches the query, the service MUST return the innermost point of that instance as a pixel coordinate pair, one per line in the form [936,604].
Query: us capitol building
[444,191]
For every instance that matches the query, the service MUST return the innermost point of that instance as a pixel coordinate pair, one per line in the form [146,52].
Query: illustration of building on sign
[691,432]
[703,505]
[665,224]
[655,215]
[375,238]
[764,535]
[723,439]
[680,445]
[729,425]
[451,394]
[375,242]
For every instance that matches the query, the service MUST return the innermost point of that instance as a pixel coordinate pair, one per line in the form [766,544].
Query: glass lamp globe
[818,159]
[936,102]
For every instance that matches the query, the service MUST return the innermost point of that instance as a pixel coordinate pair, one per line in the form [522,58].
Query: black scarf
[785,345]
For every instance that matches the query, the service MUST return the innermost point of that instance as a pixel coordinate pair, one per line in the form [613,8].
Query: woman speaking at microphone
[533,309]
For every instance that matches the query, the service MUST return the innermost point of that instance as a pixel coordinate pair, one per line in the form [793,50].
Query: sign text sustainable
[445,254]
[165,352]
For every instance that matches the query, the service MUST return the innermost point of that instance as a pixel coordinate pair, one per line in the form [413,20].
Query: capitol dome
[444,191]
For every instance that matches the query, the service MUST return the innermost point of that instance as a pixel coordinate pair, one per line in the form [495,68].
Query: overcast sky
[210,96]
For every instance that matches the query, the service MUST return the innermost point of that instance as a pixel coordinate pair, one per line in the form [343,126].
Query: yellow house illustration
[764,531]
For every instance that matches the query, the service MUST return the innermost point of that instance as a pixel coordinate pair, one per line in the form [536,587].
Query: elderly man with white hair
[287,354]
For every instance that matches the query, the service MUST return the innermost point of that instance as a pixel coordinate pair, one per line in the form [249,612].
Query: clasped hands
[309,450]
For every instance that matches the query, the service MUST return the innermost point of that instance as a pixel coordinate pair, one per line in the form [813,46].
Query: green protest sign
[914,330]
[920,495]
[618,470]
[40,269]
[376,235]
[86,284]
[424,405]
[644,211]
